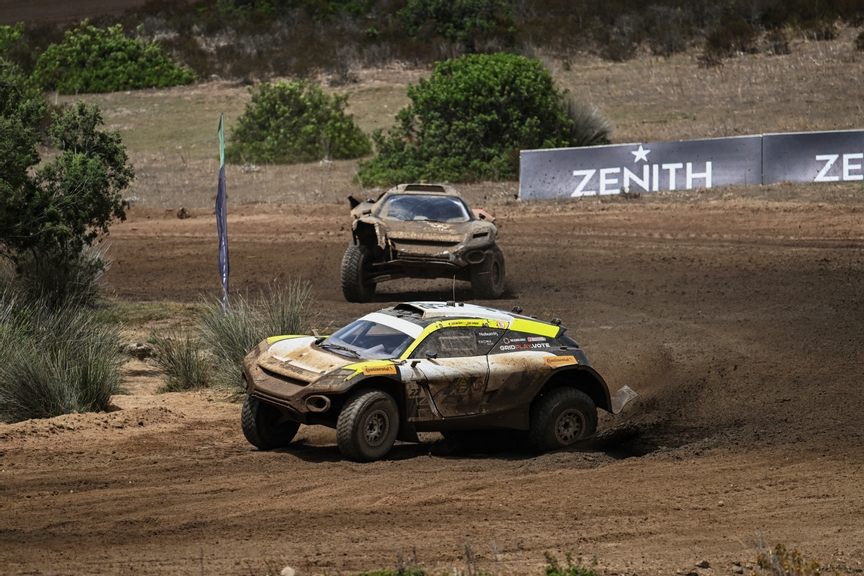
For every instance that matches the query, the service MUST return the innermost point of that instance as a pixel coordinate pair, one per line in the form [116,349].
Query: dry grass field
[171,134]
[737,314]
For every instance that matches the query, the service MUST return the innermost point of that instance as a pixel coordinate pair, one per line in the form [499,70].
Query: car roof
[426,189]
[437,310]
[424,313]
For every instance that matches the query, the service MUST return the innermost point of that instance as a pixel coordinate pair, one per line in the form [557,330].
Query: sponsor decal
[373,370]
[555,361]
[456,323]
[510,340]
[501,324]
[613,180]
[641,168]
[495,334]
[536,339]
[486,342]
[849,166]
[526,346]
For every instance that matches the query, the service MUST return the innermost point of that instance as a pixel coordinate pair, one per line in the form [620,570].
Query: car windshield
[368,339]
[407,207]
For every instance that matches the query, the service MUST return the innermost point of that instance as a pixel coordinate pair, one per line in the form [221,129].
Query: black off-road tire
[367,426]
[561,418]
[262,427]
[487,278]
[355,266]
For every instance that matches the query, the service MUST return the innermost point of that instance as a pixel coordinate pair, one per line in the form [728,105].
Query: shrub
[289,122]
[231,333]
[469,121]
[782,562]
[55,362]
[91,59]
[554,568]
[778,43]
[459,21]
[731,37]
[183,360]
[56,279]
[588,127]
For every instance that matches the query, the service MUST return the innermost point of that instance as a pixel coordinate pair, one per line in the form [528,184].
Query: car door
[517,367]
[453,369]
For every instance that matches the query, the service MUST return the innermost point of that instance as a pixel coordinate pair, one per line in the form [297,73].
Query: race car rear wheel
[561,418]
[367,426]
[487,278]
[264,426]
[355,265]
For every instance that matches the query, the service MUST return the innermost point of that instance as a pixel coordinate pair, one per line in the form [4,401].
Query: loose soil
[736,314]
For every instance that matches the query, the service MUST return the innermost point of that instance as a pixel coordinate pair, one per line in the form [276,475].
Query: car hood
[298,358]
[431,231]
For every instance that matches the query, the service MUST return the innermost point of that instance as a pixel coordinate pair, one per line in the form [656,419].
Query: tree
[50,213]
[471,118]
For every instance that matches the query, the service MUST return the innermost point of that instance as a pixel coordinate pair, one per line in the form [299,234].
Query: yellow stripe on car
[534,327]
[274,339]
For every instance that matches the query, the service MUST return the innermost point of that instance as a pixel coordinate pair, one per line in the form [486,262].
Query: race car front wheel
[355,265]
[487,277]
[264,426]
[561,418]
[367,426]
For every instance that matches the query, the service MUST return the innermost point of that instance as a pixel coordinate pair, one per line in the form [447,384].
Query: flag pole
[222,216]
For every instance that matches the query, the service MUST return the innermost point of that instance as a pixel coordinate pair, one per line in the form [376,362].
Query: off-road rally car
[420,231]
[424,367]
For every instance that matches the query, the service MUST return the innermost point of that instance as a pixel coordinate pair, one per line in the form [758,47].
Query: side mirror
[431,354]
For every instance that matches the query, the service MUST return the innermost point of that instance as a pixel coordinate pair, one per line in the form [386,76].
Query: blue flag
[222,216]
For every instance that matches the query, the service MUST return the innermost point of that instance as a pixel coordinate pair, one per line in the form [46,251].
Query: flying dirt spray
[222,217]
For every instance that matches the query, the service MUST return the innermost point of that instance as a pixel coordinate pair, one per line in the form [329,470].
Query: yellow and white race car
[425,366]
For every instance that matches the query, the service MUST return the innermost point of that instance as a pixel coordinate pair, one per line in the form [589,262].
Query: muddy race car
[422,367]
[420,231]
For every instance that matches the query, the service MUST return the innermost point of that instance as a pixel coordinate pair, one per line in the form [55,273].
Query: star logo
[640,154]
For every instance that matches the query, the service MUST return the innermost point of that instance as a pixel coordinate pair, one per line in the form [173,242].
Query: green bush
[55,362]
[457,20]
[231,333]
[91,59]
[554,568]
[290,122]
[469,121]
[183,360]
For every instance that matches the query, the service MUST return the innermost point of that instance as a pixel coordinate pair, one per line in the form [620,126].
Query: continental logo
[378,370]
[555,361]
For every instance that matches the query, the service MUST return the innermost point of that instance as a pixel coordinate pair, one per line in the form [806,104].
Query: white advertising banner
[813,157]
[643,167]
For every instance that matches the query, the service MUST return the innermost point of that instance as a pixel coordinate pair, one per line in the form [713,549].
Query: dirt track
[738,319]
